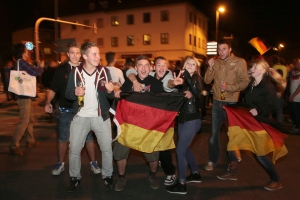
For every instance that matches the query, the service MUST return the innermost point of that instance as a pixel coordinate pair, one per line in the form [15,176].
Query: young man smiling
[97,89]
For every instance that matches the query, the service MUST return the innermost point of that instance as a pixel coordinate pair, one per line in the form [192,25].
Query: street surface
[28,177]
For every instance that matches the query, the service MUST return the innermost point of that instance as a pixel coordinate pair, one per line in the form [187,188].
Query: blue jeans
[218,117]
[186,134]
[264,160]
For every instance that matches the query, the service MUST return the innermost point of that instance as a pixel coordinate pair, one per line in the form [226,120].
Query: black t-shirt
[59,84]
[150,83]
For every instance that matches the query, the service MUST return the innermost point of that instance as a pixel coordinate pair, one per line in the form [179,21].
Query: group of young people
[95,83]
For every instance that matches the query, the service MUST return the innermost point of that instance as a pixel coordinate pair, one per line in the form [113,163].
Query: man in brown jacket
[230,76]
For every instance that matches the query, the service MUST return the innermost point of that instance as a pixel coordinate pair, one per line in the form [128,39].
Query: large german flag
[145,121]
[247,133]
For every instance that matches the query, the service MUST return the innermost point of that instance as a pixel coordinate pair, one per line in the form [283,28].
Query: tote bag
[21,83]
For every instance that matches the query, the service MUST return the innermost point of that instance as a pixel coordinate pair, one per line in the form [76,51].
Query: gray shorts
[121,152]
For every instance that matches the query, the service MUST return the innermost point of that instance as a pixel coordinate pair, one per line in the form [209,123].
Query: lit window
[130,40]
[100,23]
[100,42]
[164,38]
[146,39]
[86,22]
[147,17]
[164,15]
[114,21]
[130,19]
[114,41]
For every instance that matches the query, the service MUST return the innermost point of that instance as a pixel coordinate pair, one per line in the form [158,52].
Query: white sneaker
[209,166]
[58,168]
[95,167]
[170,180]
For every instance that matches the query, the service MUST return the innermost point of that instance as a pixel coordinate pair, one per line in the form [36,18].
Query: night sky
[272,20]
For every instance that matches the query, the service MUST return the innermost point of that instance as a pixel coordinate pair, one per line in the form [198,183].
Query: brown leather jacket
[233,71]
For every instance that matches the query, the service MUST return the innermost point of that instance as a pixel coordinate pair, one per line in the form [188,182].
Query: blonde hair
[196,61]
[263,64]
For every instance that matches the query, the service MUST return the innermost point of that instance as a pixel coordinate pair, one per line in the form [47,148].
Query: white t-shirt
[116,74]
[90,108]
[295,82]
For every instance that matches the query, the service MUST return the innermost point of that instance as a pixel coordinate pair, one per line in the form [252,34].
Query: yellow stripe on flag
[146,140]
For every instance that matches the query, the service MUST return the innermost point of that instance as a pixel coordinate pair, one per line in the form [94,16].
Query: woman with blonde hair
[260,101]
[189,124]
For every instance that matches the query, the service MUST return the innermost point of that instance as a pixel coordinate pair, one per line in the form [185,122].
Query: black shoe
[108,181]
[177,189]
[194,178]
[74,184]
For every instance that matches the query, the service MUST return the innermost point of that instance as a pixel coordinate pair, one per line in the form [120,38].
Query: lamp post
[220,9]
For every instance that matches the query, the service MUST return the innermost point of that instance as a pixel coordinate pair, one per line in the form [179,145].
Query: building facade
[172,30]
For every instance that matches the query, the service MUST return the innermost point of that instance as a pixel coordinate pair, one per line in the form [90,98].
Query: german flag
[259,45]
[145,121]
[247,133]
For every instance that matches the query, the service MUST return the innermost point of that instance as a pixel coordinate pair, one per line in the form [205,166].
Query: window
[164,38]
[203,47]
[114,41]
[195,40]
[73,27]
[115,21]
[130,40]
[100,42]
[199,21]
[86,40]
[100,23]
[86,22]
[146,39]
[203,25]
[195,19]
[190,39]
[147,17]
[130,19]
[191,17]
[164,15]
[199,43]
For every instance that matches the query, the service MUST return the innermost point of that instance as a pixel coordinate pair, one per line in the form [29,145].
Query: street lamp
[280,46]
[220,9]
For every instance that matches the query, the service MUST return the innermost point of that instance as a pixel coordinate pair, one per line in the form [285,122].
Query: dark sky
[272,20]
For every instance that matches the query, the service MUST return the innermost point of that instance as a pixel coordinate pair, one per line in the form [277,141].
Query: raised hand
[177,79]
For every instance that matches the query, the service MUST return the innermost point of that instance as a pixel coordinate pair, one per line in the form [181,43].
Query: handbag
[21,83]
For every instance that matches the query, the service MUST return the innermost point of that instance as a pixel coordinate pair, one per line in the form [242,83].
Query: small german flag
[247,133]
[259,45]
[145,121]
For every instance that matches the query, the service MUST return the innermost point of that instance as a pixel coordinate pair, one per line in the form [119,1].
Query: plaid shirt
[29,68]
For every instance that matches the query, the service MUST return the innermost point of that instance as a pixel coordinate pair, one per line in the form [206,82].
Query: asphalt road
[29,176]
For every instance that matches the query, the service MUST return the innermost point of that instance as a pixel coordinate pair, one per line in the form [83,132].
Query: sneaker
[294,130]
[177,189]
[170,180]
[74,184]
[154,182]
[58,168]
[95,167]
[120,184]
[273,186]
[209,166]
[108,181]
[204,118]
[227,176]
[193,178]
[16,151]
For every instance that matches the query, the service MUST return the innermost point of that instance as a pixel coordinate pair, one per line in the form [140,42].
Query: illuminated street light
[220,9]
[281,45]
